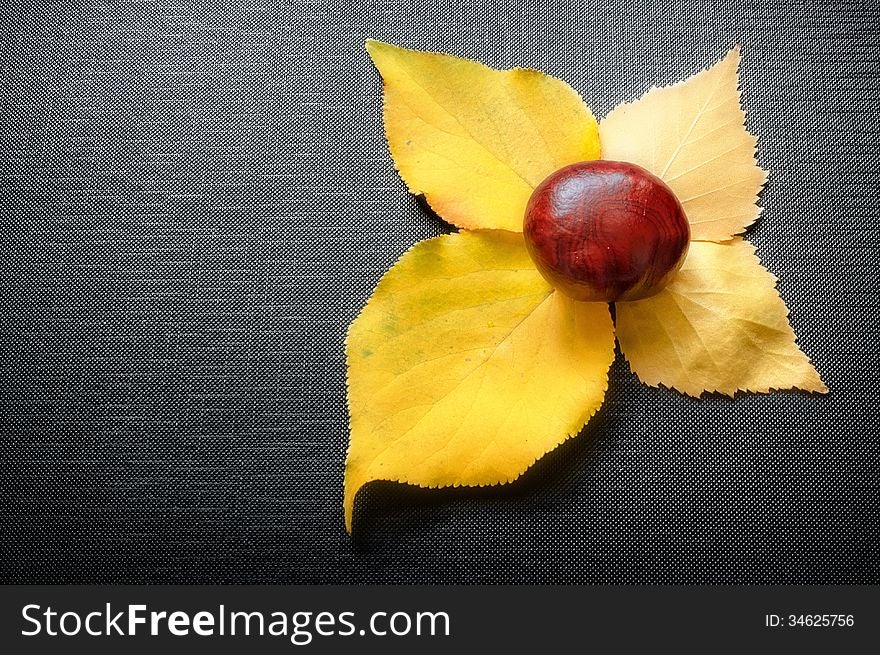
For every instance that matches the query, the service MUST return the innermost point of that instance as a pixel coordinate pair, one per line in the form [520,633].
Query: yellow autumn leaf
[719,326]
[476,141]
[465,366]
[692,136]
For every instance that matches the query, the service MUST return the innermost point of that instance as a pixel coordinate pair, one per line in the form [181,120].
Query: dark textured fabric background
[197,199]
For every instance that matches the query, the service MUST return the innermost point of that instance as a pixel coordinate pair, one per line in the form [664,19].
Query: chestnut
[606,230]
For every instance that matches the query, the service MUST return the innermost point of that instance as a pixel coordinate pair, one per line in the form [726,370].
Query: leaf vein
[693,124]
[458,120]
[458,385]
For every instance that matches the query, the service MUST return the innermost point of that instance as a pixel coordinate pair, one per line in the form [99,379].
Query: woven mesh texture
[198,199]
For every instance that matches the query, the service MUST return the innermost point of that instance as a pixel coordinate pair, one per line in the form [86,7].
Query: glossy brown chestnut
[606,230]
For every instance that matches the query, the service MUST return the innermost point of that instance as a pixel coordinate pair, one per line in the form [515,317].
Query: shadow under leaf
[382,504]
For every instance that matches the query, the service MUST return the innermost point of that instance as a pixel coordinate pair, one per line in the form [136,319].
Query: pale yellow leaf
[719,326]
[476,141]
[465,366]
[692,136]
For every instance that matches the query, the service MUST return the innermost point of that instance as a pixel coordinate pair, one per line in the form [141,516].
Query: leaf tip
[351,489]
[372,45]
[731,60]
[814,383]
[376,49]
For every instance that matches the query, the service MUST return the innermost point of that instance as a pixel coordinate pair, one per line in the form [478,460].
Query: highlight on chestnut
[606,230]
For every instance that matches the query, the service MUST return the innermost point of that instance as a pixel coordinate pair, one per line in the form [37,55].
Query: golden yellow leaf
[719,325]
[465,366]
[692,136]
[476,141]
